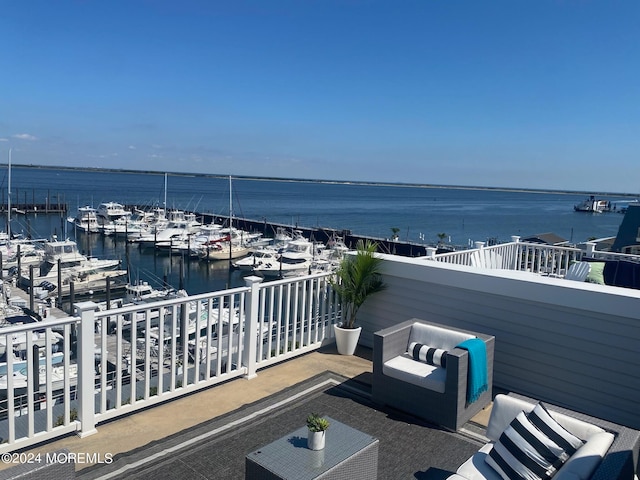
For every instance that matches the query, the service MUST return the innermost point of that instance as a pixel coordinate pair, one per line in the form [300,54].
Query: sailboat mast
[9,199]
[230,204]
[230,224]
[165,194]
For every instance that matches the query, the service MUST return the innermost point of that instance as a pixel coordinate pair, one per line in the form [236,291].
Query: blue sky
[534,94]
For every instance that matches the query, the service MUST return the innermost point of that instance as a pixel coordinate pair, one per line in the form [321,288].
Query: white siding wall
[573,344]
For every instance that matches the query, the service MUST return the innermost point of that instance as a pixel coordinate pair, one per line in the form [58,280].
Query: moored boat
[593,205]
[86,220]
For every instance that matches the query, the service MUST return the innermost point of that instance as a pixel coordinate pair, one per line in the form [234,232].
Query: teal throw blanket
[477,373]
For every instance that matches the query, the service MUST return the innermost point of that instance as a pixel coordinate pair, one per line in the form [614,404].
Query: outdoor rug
[409,448]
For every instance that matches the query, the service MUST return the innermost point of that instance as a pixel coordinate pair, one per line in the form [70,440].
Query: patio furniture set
[444,375]
[439,393]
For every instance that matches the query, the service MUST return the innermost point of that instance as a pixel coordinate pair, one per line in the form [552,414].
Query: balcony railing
[83,370]
[532,257]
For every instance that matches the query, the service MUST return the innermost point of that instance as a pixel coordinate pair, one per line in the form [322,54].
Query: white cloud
[24,136]
[4,139]
[132,147]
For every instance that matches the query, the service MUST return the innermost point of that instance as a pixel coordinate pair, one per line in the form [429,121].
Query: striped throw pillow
[427,354]
[543,421]
[524,452]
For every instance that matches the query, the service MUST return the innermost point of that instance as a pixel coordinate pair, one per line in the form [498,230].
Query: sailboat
[12,248]
[228,247]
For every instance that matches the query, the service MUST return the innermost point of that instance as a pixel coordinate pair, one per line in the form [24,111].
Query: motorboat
[62,258]
[108,212]
[148,223]
[18,341]
[19,362]
[141,292]
[593,205]
[179,226]
[58,375]
[86,220]
[259,256]
[295,259]
[127,226]
[198,347]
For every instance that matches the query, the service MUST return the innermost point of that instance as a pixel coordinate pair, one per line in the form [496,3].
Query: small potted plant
[357,278]
[317,426]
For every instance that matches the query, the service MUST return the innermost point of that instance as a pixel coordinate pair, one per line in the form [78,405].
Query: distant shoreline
[329,182]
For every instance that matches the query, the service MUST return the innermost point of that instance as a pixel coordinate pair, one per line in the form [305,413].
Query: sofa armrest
[457,368]
[391,342]
[622,458]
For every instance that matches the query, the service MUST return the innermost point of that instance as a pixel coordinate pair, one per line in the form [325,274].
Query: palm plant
[357,278]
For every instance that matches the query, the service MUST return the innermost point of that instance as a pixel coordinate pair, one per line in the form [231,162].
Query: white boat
[141,292]
[232,245]
[593,205]
[282,237]
[149,222]
[86,220]
[265,329]
[18,340]
[295,259]
[58,374]
[74,267]
[108,212]
[259,256]
[20,363]
[198,324]
[179,225]
[190,244]
[223,249]
[128,225]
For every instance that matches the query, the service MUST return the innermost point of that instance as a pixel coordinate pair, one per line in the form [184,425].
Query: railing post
[479,245]
[591,247]
[86,369]
[431,252]
[515,258]
[251,328]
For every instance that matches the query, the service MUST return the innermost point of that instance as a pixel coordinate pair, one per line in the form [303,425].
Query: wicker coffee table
[348,454]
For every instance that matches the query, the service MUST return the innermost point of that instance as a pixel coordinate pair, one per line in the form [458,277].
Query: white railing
[532,257]
[136,356]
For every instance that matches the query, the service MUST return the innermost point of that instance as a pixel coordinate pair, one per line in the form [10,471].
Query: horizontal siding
[555,339]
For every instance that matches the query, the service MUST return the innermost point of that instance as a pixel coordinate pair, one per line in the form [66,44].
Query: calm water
[420,213]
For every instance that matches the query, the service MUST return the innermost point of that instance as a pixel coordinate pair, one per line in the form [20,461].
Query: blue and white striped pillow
[427,354]
[533,447]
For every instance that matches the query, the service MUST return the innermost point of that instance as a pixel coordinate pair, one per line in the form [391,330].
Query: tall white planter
[346,339]
[315,440]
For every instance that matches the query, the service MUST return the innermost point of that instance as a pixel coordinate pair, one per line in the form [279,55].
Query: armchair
[433,393]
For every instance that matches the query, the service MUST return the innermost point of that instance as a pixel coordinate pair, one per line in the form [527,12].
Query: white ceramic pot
[346,339]
[315,440]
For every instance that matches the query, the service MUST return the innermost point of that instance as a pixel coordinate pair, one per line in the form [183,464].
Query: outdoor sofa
[434,393]
[609,452]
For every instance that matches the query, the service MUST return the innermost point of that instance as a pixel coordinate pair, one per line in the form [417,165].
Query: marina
[166,315]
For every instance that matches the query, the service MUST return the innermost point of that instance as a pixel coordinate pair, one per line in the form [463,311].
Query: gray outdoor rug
[409,448]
